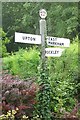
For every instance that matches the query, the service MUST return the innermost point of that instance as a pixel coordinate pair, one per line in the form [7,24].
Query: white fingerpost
[27,38]
[43,33]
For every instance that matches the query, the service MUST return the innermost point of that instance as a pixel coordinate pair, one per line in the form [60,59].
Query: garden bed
[18,99]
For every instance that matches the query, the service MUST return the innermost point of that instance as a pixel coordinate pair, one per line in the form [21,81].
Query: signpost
[36,39]
[43,81]
[44,96]
[54,41]
[53,52]
[27,38]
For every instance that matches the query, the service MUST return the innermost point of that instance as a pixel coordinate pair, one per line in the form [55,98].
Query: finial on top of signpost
[43,13]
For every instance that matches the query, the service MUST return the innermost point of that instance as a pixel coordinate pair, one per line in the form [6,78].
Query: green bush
[22,63]
[63,77]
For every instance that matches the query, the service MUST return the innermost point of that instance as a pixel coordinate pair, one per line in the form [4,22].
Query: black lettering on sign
[53,39]
[23,37]
[51,52]
[34,39]
[31,38]
[49,42]
[55,43]
[28,38]
[47,52]
[60,43]
[57,51]
[63,44]
[54,52]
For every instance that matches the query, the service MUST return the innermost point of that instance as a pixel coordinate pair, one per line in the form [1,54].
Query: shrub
[18,94]
[63,73]
[22,63]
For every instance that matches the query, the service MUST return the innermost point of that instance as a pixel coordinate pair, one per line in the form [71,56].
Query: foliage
[58,80]
[62,19]
[59,83]
[23,63]
[3,41]
[18,95]
[43,95]
[12,15]
[64,79]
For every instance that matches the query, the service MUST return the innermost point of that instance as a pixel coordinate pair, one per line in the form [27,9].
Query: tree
[62,19]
